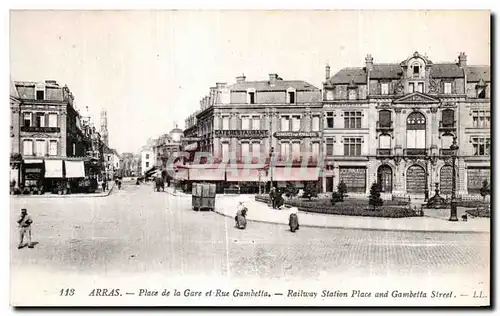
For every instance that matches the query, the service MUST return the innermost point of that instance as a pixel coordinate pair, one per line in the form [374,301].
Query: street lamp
[271,153]
[453,203]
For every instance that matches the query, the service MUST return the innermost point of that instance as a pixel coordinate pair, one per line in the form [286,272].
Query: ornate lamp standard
[453,203]
[271,155]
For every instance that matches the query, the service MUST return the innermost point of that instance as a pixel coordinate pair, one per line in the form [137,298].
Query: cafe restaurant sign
[241,133]
[295,134]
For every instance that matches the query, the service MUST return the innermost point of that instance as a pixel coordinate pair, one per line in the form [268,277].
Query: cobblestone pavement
[137,230]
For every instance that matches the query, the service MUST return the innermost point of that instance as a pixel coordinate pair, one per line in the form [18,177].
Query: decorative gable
[416,97]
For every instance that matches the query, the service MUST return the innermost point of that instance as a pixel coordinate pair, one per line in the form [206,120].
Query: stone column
[462,176]
[399,131]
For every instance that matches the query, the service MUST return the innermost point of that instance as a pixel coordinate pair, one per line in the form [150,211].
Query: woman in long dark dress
[240,218]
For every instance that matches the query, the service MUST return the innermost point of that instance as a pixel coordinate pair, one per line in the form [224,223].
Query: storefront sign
[296,134]
[240,133]
[475,178]
[354,178]
[190,139]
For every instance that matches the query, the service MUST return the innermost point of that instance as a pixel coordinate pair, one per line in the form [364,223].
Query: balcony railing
[415,152]
[447,126]
[446,152]
[40,129]
[384,127]
[384,152]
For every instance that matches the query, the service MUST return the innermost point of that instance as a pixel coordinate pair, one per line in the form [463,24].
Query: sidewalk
[73,195]
[260,212]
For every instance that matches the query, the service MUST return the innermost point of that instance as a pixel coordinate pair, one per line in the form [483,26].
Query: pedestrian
[24,223]
[119,184]
[104,185]
[293,220]
[240,218]
[272,196]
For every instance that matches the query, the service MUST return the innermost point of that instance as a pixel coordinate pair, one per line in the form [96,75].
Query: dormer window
[481,93]
[352,94]
[251,97]
[416,70]
[291,97]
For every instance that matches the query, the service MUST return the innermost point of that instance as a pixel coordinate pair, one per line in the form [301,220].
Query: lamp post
[271,154]
[453,203]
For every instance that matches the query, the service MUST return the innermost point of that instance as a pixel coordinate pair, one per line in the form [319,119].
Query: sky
[149,69]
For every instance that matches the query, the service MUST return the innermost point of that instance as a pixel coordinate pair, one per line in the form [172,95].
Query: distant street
[137,230]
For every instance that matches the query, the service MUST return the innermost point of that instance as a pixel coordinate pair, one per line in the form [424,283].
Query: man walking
[24,223]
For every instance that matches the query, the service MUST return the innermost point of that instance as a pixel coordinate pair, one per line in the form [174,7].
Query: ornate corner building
[394,123]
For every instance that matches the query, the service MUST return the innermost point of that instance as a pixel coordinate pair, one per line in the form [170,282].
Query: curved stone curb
[363,228]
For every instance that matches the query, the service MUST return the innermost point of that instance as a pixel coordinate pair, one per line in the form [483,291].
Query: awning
[206,174]
[246,175]
[53,168]
[150,171]
[191,147]
[295,174]
[74,169]
[29,161]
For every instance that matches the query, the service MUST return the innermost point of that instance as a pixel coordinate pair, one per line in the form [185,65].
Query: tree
[485,189]
[310,190]
[375,199]
[291,190]
[342,189]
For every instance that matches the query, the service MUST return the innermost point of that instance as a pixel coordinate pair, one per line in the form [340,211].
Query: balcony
[384,152]
[413,152]
[34,129]
[385,126]
[446,152]
[447,127]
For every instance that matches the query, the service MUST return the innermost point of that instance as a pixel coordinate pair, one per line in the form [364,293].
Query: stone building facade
[250,121]
[394,123]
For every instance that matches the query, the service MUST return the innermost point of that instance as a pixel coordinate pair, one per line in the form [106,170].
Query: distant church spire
[104,127]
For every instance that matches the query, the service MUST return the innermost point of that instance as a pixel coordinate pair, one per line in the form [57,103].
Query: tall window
[315,150]
[147,156]
[256,123]
[40,94]
[285,123]
[420,87]
[384,88]
[245,123]
[416,71]
[225,122]
[353,94]
[448,118]
[481,93]
[27,147]
[296,150]
[53,147]
[384,118]
[245,150]
[255,149]
[384,141]
[329,146]
[40,119]
[251,97]
[225,152]
[40,147]
[352,146]
[329,119]
[285,151]
[481,119]
[415,130]
[329,95]
[296,123]
[352,119]
[27,119]
[411,87]
[447,87]
[446,141]
[53,120]
[147,164]
[481,146]
[291,97]
[315,123]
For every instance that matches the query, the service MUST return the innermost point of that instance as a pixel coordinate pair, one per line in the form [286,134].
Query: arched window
[415,130]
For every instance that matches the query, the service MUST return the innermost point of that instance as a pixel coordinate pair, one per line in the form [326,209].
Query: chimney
[369,62]
[240,79]
[220,85]
[327,72]
[462,60]
[51,82]
[212,95]
[272,79]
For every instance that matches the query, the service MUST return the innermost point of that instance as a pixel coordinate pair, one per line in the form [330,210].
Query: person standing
[272,196]
[24,223]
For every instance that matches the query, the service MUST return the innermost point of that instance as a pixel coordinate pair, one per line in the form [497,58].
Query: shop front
[32,174]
